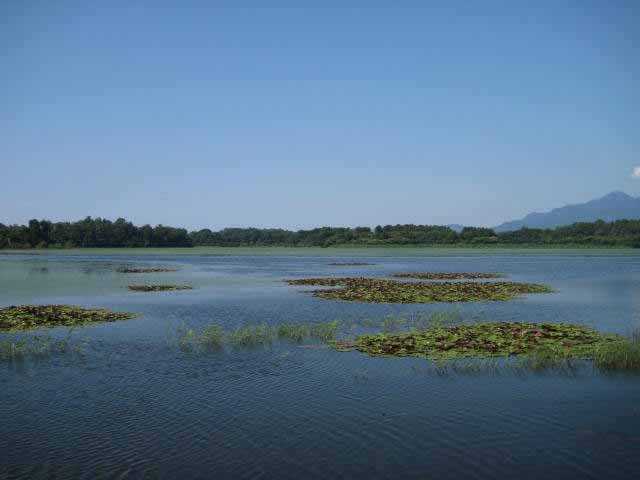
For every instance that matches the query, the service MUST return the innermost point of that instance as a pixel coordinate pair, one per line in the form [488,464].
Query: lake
[133,405]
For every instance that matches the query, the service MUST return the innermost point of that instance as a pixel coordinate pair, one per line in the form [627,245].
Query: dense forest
[98,232]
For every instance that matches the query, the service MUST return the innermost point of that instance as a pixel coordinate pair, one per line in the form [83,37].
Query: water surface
[135,405]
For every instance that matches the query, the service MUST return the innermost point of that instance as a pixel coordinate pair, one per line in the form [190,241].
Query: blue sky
[196,114]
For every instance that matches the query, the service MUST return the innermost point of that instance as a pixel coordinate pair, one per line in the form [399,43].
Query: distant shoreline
[347,250]
[497,246]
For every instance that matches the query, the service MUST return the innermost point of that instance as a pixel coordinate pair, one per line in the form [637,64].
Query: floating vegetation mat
[448,275]
[490,340]
[351,264]
[146,270]
[25,317]
[390,291]
[158,288]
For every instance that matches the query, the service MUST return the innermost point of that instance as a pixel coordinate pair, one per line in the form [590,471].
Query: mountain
[614,206]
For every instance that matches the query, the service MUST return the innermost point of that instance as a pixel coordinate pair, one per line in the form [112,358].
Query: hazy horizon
[212,117]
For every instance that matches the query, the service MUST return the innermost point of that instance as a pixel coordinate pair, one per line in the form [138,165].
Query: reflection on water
[134,405]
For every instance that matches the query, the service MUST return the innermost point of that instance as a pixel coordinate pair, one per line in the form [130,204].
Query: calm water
[135,406]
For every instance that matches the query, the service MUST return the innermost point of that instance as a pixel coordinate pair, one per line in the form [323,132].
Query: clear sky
[199,115]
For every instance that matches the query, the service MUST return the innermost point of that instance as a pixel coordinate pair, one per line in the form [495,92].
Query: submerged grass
[374,290]
[158,288]
[448,275]
[25,317]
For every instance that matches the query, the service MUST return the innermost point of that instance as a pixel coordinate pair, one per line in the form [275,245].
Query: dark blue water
[135,406]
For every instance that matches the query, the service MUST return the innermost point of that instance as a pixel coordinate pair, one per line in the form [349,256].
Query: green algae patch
[26,317]
[448,275]
[145,270]
[374,290]
[489,340]
[159,288]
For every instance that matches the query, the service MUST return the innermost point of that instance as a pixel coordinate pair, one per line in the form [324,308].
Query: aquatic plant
[350,264]
[325,331]
[490,340]
[296,332]
[187,339]
[36,347]
[620,355]
[392,324]
[24,317]
[447,275]
[214,337]
[145,270]
[325,282]
[251,335]
[550,357]
[158,288]
[425,321]
[376,290]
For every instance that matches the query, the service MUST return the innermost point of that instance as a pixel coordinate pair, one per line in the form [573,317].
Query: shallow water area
[134,404]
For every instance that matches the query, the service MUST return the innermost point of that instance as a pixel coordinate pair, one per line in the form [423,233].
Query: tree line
[91,232]
[99,232]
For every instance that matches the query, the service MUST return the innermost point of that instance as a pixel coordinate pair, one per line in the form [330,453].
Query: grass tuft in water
[214,337]
[251,336]
[620,356]
[36,347]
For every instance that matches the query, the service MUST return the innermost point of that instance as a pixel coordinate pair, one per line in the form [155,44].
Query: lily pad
[487,340]
[158,288]
[145,270]
[25,317]
[448,275]
[374,290]
[351,264]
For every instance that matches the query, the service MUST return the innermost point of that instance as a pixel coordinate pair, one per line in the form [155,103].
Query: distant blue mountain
[614,206]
